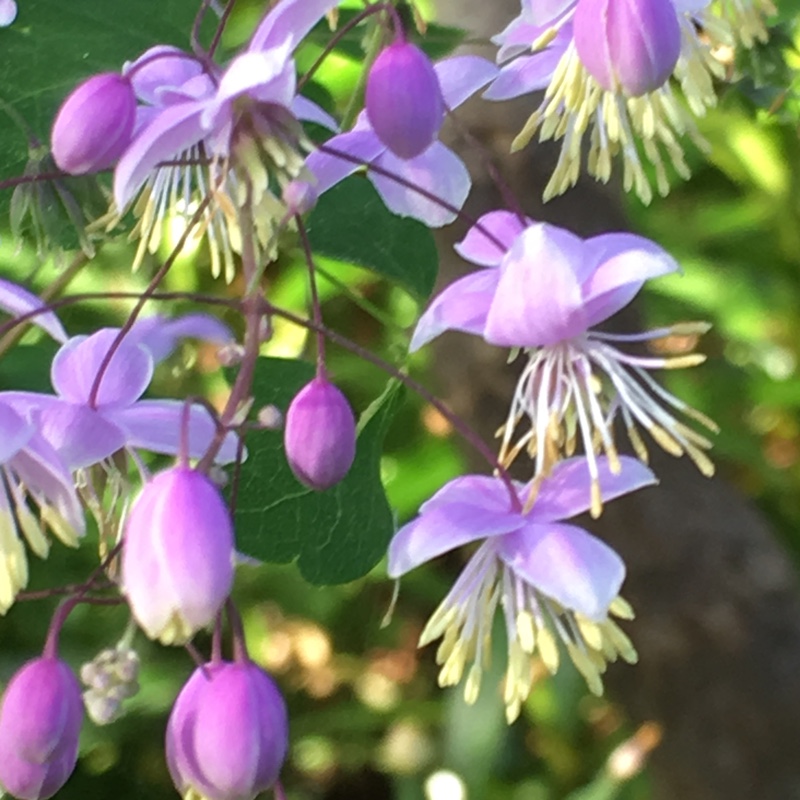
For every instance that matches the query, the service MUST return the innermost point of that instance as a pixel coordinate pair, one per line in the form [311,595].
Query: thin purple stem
[316,307]
[237,631]
[226,13]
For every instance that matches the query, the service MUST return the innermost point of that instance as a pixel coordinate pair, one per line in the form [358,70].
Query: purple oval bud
[320,435]
[40,721]
[630,46]
[177,556]
[94,125]
[404,100]
[228,733]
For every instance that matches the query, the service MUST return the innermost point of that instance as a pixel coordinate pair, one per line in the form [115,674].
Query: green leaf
[26,367]
[350,223]
[337,535]
[53,45]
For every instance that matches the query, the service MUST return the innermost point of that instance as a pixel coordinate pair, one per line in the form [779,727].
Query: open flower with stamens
[32,476]
[552,581]
[607,68]
[542,291]
[206,134]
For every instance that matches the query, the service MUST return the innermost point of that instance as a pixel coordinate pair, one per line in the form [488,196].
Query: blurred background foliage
[367,719]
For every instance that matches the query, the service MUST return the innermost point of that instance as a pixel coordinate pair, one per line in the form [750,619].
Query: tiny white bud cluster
[111,678]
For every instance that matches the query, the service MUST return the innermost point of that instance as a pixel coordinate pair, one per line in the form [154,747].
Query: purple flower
[8,12]
[606,70]
[541,291]
[40,721]
[437,170]
[551,580]
[320,435]
[404,101]
[31,472]
[18,301]
[240,122]
[227,734]
[86,429]
[177,555]
[627,46]
[94,124]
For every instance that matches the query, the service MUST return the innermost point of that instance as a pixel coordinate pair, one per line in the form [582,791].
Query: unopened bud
[404,100]
[299,196]
[320,435]
[94,125]
[270,418]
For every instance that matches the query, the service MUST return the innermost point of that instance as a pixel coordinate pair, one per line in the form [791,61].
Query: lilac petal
[77,364]
[80,435]
[254,73]
[517,37]
[308,111]
[290,19]
[625,262]
[461,76]
[160,336]
[18,301]
[329,169]
[480,490]
[14,432]
[462,306]
[546,12]
[174,130]
[443,528]
[566,563]
[477,247]
[538,300]
[438,171]
[166,67]
[526,74]
[567,492]
[157,426]
[48,480]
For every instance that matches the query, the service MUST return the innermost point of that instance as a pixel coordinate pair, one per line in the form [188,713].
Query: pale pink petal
[462,306]
[488,492]
[565,563]
[18,301]
[444,528]
[77,364]
[308,111]
[160,336]
[567,492]
[174,130]
[157,426]
[538,300]
[14,432]
[329,169]
[438,171]
[625,262]
[546,12]
[525,74]
[477,247]
[461,76]
[289,19]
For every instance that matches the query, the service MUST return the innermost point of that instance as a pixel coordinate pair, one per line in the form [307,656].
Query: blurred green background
[367,719]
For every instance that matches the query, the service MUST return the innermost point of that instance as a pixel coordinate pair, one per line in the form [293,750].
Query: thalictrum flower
[86,427]
[222,129]
[227,734]
[606,66]
[437,170]
[541,292]
[550,579]
[40,722]
[31,472]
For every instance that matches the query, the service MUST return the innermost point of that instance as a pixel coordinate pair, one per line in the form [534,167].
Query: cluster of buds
[110,679]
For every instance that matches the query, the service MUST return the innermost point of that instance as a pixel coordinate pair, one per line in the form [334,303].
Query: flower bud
[630,46]
[94,125]
[404,100]
[227,734]
[40,721]
[299,196]
[177,555]
[320,435]
[8,12]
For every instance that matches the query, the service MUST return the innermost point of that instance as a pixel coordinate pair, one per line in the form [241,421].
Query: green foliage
[337,535]
[351,223]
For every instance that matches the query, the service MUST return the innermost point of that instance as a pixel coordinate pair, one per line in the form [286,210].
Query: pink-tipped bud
[404,100]
[320,435]
[40,721]
[299,196]
[94,125]
[177,555]
[628,46]
[227,734]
